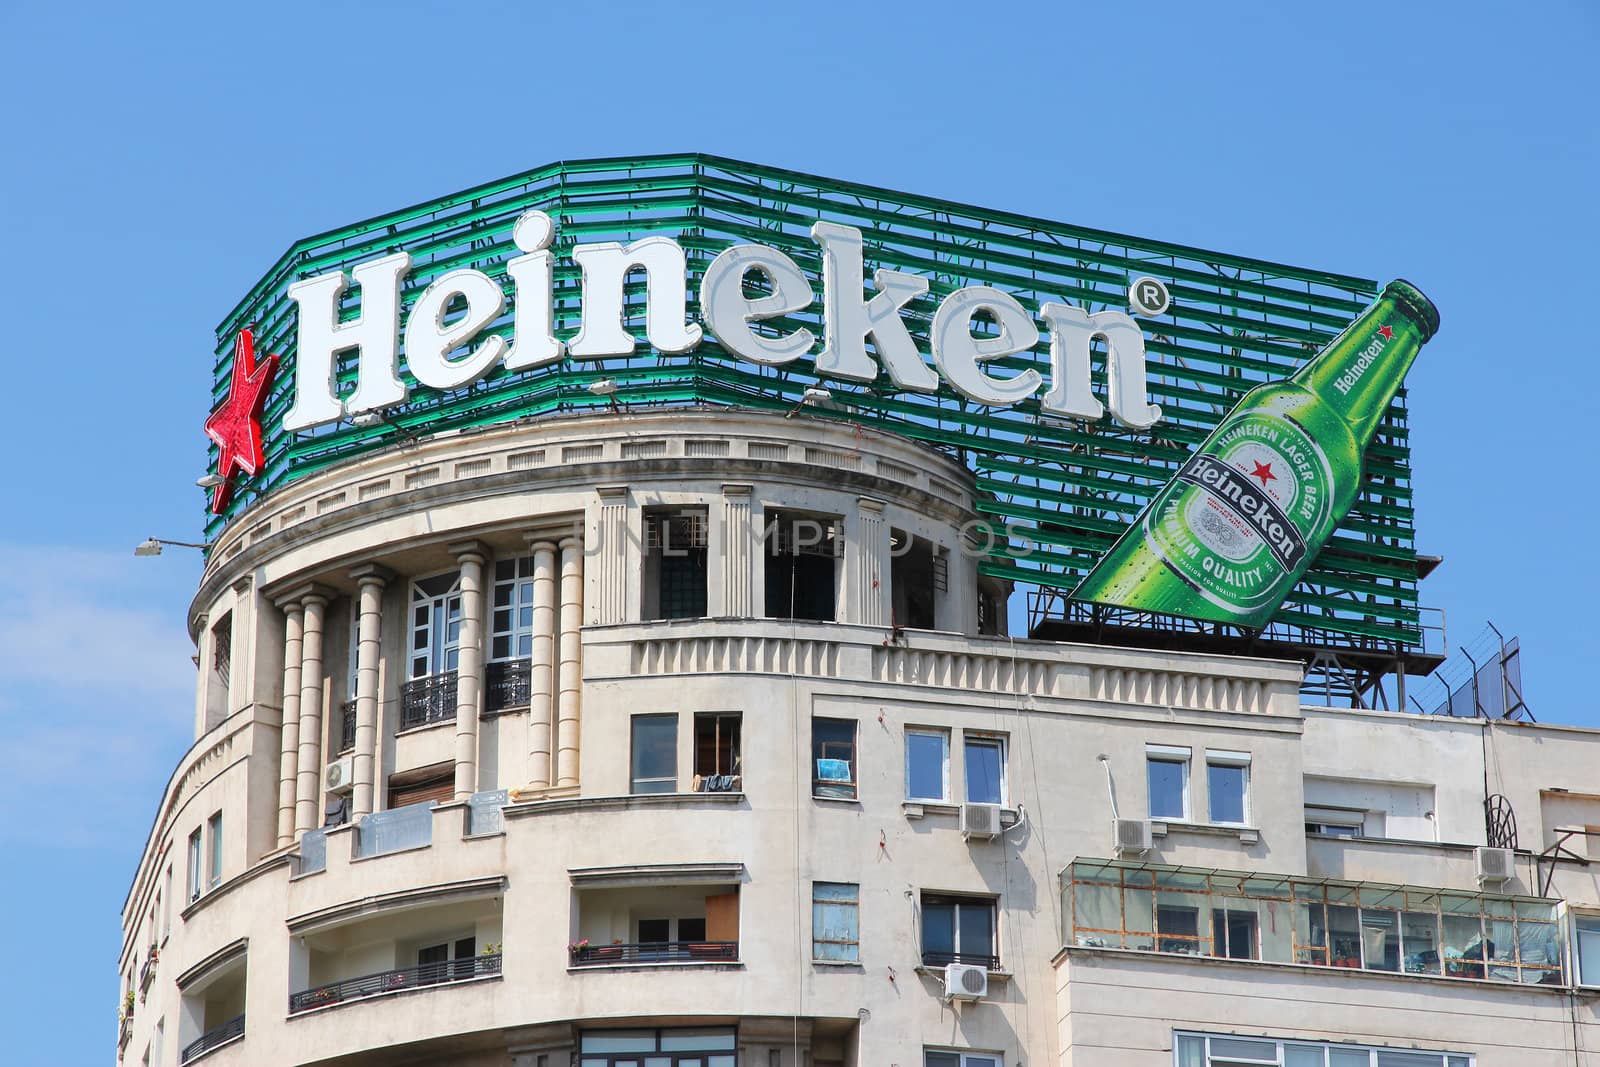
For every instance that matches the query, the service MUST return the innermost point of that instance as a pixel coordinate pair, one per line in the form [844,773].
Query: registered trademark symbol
[1149,297]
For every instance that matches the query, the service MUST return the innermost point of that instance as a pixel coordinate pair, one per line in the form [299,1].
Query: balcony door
[435,625]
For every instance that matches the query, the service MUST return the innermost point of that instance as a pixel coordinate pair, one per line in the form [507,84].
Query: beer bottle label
[1239,518]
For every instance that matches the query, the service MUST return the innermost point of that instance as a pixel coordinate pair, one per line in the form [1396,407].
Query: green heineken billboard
[1214,544]
[1084,377]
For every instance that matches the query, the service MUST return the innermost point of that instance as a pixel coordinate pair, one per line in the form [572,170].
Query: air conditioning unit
[980,820]
[963,981]
[1494,864]
[1131,836]
[340,775]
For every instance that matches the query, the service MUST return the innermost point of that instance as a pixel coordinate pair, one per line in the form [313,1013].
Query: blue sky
[159,158]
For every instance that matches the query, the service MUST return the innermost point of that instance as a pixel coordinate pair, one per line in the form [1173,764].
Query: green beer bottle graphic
[1227,538]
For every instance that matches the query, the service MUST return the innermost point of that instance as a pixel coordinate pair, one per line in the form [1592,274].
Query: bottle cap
[1416,306]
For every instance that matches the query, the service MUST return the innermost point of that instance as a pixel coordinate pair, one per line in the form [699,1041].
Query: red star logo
[1264,472]
[236,425]
[1387,332]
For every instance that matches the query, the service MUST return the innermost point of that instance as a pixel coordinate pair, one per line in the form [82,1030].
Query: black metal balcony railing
[655,952]
[975,959]
[508,684]
[371,985]
[209,1040]
[347,727]
[430,699]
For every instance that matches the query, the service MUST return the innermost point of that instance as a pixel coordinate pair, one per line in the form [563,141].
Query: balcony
[395,981]
[347,727]
[650,915]
[940,960]
[428,700]
[585,955]
[507,684]
[398,948]
[215,1038]
[1320,922]
[124,1032]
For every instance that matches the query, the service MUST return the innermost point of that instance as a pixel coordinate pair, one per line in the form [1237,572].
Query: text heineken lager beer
[1227,538]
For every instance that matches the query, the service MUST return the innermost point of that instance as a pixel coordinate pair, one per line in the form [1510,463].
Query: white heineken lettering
[443,349]
[1345,381]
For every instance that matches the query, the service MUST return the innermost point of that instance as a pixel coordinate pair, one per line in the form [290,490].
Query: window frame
[634,778]
[957,901]
[1283,1045]
[1237,761]
[853,903]
[726,741]
[963,1058]
[505,619]
[943,736]
[441,655]
[214,850]
[843,789]
[196,857]
[1180,755]
[1580,920]
[982,739]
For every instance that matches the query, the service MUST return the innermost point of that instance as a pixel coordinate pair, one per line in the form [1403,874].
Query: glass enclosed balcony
[1321,922]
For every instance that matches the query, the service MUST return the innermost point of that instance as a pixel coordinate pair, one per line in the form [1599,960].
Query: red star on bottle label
[236,425]
[1264,472]
[1387,331]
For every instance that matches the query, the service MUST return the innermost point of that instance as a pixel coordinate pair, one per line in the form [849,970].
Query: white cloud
[99,693]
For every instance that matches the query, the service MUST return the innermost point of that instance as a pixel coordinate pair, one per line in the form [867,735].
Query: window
[655,754]
[1586,929]
[166,910]
[958,930]
[1288,919]
[1228,786]
[986,769]
[918,571]
[932,1058]
[835,922]
[214,844]
[1335,822]
[717,759]
[1203,1050]
[674,563]
[802,552]
[435,625]
[195,874]
[927,763]
[662,1048]
[511,622]
[217,679]
[1167,770]
[833,758]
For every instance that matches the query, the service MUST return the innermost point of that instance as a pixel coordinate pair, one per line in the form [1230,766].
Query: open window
[802,559]
[717,755]
[674,563]
[918,572]
[833,758]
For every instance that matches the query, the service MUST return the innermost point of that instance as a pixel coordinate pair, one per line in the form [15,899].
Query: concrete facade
[603,891]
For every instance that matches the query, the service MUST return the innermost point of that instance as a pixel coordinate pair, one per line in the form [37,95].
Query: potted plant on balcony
[127,1005]
[578,949]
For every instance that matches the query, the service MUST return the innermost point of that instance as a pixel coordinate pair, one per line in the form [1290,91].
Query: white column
[289,739]
[469,664]
[867,564]
[736,601]
[369,644]
[308,787]
[541,682]
[567,707]
[611,557]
